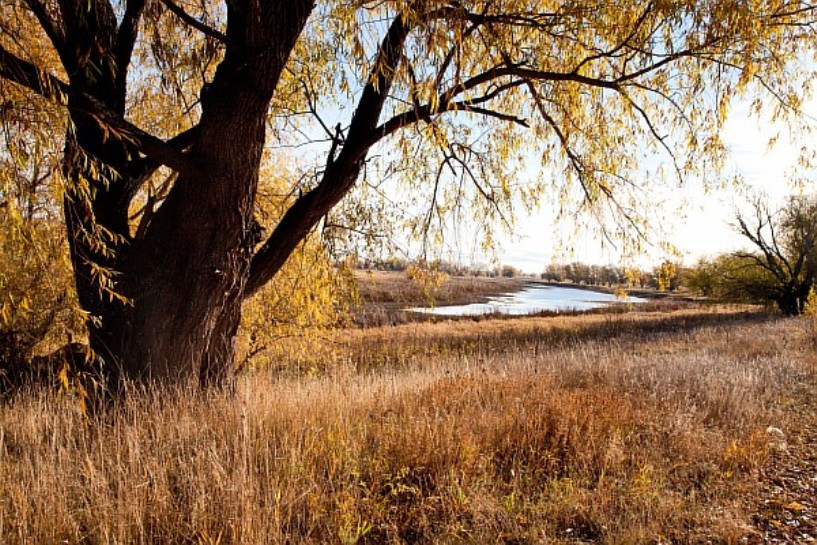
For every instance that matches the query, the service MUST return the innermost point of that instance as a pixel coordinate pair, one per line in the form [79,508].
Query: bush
[37,304]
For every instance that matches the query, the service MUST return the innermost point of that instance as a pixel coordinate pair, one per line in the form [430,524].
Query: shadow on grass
[424,344]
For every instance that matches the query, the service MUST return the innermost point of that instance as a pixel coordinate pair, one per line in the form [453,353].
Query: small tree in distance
[786,252]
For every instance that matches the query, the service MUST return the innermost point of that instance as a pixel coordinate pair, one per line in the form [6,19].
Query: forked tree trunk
[794,297]
[185,281]
[184,278]
[787,304]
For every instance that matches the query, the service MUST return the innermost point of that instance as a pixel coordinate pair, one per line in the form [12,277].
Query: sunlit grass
[637,435]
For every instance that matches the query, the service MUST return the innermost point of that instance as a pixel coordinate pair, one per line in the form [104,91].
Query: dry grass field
[635,428]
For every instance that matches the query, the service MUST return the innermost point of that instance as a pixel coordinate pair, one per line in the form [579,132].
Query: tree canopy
[167,110]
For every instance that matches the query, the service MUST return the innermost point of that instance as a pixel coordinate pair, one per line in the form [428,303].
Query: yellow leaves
[745,453]
[667,275]
[429,280]
[794,506]
[104,279]
[110,131]
[62,377]
[310,293]
[644,482]
[302,301]
[35,283]
[357,47]
[5,314]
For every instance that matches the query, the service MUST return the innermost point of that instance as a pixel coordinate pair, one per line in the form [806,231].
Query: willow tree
[169,105]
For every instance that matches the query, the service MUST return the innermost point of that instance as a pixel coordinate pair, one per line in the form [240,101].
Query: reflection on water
[532,300]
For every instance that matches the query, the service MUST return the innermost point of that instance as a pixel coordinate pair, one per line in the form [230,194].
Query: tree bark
[183,280]
[787,303]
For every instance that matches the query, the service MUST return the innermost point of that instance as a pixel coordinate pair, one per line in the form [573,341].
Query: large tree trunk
[789,304]
[165,307]
[184,286]
[185,279]
[794,297]
[181,324]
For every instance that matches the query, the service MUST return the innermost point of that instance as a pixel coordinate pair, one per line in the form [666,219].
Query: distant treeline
[666,276]
[400,264]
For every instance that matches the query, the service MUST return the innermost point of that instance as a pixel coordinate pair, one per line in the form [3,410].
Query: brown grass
[652,434]
[398,287]
[435,342]
[385,294]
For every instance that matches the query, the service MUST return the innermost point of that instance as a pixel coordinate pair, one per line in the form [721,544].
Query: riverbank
[637,428]
[393,288]
[385,296]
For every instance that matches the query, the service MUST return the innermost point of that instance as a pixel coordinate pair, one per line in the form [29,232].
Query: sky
[695,220]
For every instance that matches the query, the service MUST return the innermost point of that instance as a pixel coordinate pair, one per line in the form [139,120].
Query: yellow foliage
[36,293]
[811,313]
[666,274]
[428,279]
[310,294]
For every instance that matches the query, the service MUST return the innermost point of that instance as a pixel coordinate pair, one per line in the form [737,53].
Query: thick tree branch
[468,107]
[525,76]
[341,174]
[51,30]
[34,78]
[126,38]
[141,170]
[147,144]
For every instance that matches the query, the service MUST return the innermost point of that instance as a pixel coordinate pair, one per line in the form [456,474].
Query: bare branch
[654,131]
[624,43]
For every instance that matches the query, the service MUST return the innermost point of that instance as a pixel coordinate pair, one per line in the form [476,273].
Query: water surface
[531,300]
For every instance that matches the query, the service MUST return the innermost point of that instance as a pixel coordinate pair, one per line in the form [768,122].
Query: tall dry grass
[622,438]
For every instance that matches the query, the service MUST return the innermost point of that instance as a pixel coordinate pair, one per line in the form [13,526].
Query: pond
[531,300]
